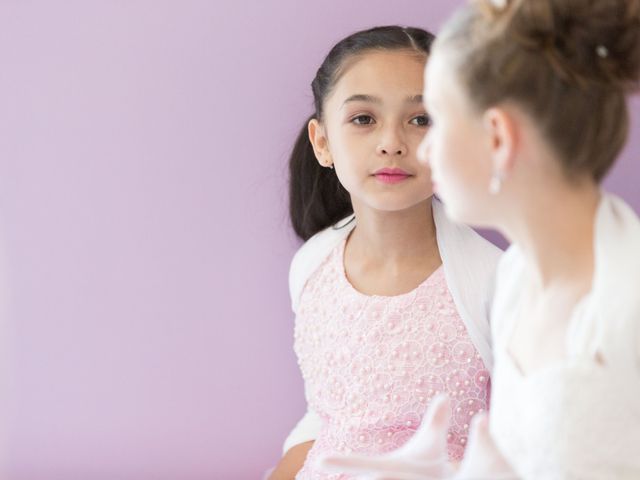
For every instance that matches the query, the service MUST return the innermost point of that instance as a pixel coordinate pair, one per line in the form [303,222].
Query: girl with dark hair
[391,299]
[530,106]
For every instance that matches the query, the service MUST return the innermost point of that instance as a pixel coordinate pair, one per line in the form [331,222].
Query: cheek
[348,146]
[455,164]
[343,151]
[443,151]
[349,157]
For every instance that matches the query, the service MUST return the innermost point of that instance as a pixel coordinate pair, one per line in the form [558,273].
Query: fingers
[429,443]
[482,459]
[381,467]
[479,430]
[423,457]
[438,414]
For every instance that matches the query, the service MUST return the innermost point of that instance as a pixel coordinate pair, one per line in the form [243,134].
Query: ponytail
[316,197]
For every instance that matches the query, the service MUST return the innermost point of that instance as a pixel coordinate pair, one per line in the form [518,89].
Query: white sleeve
[306,260]
[307,429]
[311,255]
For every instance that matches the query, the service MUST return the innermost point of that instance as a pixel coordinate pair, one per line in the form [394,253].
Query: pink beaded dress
[371,364]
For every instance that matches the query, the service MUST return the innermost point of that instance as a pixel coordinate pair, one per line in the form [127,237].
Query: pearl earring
[496,183]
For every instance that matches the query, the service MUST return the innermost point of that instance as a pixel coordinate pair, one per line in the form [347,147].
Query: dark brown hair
[568,63]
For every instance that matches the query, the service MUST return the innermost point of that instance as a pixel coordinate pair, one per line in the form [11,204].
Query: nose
[391,150]
[392,144]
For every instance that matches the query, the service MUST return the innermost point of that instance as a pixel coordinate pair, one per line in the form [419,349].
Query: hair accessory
[602,51]
[499,4]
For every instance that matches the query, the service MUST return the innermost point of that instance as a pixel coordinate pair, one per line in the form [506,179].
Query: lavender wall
[146,331]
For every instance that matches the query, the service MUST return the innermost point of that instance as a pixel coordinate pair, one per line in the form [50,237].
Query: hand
[423,457]
[482,459]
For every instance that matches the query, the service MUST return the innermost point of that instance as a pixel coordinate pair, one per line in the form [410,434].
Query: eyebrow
[377,100]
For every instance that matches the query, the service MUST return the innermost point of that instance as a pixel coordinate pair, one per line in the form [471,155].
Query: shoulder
[618,233]
[311,255]
[617,272]
[617,253]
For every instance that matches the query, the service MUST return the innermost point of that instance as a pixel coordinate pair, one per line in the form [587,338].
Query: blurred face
[456,146]
[374,120]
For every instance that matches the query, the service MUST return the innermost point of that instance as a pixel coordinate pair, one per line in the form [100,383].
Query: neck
[395,237]
[555,228]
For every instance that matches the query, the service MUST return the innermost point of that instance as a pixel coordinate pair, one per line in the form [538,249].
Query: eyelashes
[365,120]
[422,120]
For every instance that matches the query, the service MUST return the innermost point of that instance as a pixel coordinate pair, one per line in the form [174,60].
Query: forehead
[384,74]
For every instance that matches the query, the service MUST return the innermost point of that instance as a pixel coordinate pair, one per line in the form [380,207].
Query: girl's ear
[502,134]
[319,142]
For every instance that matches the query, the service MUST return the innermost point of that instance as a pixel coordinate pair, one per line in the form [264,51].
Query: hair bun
[586,41]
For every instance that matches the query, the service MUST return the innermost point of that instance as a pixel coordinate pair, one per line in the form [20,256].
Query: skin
[547,214]
[291,462]
[374,118]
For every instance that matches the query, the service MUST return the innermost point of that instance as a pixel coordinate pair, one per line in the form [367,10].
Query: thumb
[483,459]
[430,440]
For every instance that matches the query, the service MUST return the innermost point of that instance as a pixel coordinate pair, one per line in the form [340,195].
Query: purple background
[143,145]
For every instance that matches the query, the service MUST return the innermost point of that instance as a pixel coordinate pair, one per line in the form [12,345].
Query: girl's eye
[422,121]
[362,120]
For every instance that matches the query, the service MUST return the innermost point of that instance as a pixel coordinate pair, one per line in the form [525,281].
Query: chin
[396,203]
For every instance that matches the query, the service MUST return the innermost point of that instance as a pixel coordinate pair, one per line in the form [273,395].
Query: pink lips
[391,175]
